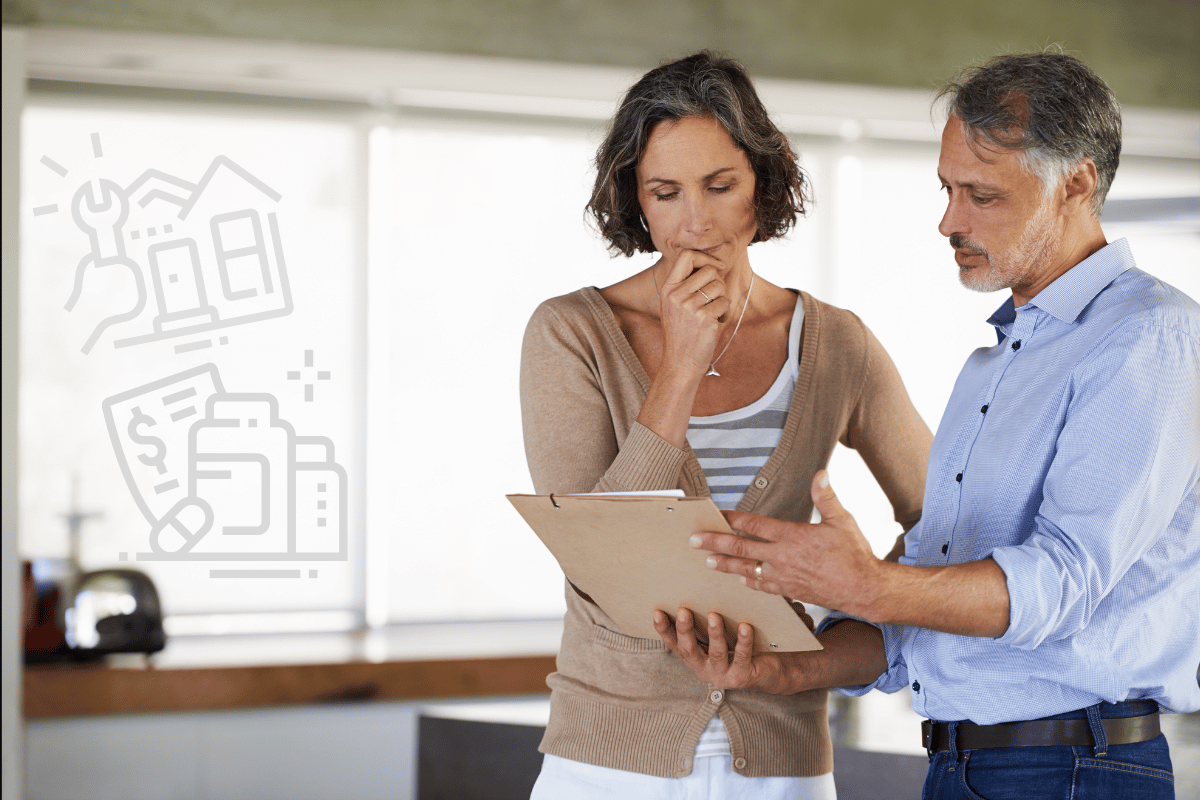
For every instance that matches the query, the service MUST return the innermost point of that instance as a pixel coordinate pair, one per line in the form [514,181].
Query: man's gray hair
[1048,106]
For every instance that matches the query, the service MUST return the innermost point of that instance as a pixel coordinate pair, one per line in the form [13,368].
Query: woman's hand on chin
[692,300]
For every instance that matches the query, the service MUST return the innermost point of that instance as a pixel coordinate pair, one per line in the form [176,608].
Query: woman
[699,375]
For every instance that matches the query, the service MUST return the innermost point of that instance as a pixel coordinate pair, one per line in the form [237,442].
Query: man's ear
[1079,186]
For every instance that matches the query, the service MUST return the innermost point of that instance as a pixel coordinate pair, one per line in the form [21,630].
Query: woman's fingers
[718,649]
[741,665]
[662,624]
[681,269]
[685,636]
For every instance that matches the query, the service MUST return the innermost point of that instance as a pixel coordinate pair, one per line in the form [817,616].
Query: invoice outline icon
[236,484]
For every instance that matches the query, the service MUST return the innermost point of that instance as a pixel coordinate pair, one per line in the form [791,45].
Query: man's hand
[828,564]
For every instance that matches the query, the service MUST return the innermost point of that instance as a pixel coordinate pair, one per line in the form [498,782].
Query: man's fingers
[728,544]
[770,587]
[824,499]
[755,526]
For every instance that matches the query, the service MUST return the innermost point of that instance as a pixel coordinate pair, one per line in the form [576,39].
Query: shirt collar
[1072,291]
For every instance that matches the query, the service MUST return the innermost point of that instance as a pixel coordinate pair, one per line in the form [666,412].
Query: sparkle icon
[308,374]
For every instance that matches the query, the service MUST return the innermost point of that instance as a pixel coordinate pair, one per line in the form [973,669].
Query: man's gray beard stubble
[1006,270]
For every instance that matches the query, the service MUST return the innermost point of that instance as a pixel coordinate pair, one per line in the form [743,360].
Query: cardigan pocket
[622,643]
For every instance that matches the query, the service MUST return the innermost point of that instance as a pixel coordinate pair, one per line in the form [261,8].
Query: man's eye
[983,201]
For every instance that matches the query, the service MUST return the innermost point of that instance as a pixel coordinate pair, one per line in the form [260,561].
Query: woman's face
[696,189]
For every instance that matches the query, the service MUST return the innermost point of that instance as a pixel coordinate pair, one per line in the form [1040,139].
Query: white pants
[712,778]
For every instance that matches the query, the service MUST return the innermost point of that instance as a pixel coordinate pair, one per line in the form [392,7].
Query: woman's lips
[708,251]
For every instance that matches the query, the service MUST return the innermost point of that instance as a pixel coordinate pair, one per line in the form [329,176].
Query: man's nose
[952,219]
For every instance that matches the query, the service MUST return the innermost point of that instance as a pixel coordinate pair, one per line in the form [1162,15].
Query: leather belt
[1037,733]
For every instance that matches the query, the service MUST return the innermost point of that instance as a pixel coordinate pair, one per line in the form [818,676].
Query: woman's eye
[665,195]
[720,189]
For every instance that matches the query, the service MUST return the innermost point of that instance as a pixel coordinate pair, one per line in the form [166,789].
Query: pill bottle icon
[241,461]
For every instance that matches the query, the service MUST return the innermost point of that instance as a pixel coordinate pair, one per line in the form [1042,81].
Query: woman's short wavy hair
[700,85]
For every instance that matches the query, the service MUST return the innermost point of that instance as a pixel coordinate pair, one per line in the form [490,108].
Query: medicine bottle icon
[242,463]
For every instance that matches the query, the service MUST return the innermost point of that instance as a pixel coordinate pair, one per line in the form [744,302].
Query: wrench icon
[101,219]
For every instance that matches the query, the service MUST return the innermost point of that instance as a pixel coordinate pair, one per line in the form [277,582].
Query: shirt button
[958,477]
[716,695]
[945,548]
[1017,344]
[983,410]
[761,483]
[916,686]
[739,763]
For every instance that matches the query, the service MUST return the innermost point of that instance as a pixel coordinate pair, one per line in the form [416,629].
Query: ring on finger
[707,299]
[758,571]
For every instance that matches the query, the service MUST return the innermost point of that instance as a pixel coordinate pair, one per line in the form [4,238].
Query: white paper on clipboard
[631,555]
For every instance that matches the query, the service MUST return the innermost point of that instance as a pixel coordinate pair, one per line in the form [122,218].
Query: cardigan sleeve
[886,430]
[577,411]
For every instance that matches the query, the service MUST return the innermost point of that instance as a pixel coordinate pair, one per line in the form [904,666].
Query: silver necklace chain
[712,366]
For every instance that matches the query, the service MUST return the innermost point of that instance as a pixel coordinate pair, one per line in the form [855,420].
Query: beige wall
[1148,50]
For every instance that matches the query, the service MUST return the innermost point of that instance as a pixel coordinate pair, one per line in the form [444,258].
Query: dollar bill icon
[219,476]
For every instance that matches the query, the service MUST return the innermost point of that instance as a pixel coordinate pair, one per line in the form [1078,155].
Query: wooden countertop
[75,690]
[403,662]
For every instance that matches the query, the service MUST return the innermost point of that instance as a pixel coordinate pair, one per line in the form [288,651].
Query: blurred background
[380,194]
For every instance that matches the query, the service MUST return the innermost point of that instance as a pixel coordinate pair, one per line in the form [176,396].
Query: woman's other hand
[715,664]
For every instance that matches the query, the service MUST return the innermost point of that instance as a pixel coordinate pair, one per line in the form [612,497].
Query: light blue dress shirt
[1070,453]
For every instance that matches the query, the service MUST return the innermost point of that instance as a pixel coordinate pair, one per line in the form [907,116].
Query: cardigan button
[739,763]
[761,483]
[716,695]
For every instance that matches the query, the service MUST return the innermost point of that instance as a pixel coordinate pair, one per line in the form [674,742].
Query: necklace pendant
[712,370]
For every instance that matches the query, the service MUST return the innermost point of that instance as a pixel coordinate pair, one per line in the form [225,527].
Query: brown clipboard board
[631,555]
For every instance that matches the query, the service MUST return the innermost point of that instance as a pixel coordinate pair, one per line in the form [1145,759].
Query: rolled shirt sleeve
[1117,480]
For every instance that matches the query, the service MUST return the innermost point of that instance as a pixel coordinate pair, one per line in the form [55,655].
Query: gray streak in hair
[1048,106]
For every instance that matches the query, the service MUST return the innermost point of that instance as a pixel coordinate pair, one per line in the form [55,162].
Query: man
[1047,603]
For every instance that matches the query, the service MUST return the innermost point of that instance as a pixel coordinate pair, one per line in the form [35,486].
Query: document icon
[232,482]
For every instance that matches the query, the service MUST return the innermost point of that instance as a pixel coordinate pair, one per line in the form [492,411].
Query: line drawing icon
[221,477]
[212,251]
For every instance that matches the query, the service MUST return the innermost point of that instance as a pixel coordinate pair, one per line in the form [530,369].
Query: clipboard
[631,555]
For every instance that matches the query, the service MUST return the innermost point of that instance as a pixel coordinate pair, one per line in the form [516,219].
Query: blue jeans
[1140,771]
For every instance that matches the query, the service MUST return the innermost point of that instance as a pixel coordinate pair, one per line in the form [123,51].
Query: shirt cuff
[896,677]
[1030,615]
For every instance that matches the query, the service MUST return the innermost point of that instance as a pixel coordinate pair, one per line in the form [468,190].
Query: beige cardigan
[628,703]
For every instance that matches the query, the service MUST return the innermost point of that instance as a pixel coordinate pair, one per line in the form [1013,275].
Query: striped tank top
[732,447]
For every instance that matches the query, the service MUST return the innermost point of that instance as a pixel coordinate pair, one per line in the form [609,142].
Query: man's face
[1000,222]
